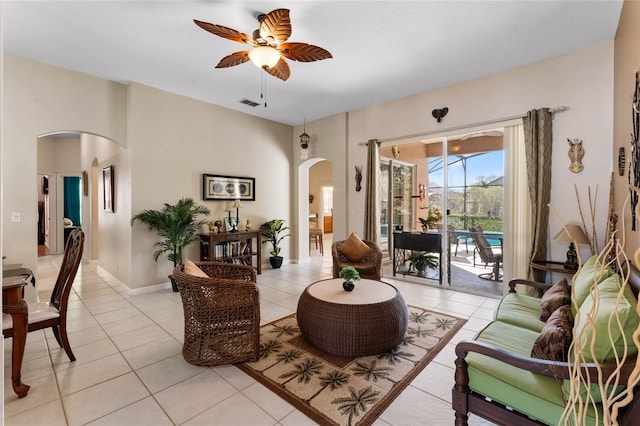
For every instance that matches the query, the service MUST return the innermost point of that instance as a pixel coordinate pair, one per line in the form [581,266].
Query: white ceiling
[382,50]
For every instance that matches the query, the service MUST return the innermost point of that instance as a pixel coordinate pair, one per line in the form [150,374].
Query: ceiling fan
[269,45]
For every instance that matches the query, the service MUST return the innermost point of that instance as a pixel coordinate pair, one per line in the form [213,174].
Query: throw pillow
[353,248]
[555,337]
[191,268]
[592,271]
[558,295]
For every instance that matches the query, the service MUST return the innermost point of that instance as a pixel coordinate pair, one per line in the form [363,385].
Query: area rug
[337,390]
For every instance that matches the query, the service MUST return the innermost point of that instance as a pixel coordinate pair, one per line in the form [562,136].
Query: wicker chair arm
[557,369]
[535,284]
[231,271]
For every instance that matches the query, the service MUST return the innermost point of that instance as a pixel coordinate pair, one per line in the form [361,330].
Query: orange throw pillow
[354,248]
[190,268]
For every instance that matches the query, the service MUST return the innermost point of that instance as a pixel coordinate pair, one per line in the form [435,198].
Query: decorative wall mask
[358,178]
[576,152]
[395,151]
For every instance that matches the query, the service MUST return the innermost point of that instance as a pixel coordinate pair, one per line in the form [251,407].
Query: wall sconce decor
[395,151]
[310,198]
[358,178]
[439,114]
[576,152]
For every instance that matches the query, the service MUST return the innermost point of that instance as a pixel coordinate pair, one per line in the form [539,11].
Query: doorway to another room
[320,209]
[425,191]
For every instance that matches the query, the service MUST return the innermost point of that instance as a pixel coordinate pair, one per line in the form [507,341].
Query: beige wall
[583,81]
[627,60]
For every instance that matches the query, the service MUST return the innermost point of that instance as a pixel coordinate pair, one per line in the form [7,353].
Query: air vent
[249,102]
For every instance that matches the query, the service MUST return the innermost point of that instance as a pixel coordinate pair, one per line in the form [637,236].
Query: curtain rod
[466,126]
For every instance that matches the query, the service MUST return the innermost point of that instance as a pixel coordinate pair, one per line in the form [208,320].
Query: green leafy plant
[349,273]
[272,232]
[421,260]
[176,225]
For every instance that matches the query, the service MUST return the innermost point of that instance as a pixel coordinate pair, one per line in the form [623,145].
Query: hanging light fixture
[304,142]
[264,57]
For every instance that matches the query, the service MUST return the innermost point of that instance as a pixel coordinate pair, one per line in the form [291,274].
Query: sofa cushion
[521,310]
[558,295]
[592,271]
[553,341]
[607,339]
[535,395]
[353,248]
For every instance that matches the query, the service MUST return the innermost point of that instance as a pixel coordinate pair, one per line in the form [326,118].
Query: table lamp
[233,226]
[572,233]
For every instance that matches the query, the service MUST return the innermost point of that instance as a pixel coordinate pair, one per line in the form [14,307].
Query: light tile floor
[130,371]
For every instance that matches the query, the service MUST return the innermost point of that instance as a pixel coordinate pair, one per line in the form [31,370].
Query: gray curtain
[371,202]
[538,142]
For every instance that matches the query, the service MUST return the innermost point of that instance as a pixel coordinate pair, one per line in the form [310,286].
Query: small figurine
[247,225]
[212,226]
[214,230]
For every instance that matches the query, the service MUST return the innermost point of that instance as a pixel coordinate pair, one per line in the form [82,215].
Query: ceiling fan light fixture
[264,57]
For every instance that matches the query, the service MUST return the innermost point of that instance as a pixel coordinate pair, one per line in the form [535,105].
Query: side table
[551,266]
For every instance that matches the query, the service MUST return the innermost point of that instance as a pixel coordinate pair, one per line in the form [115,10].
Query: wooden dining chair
[54,313]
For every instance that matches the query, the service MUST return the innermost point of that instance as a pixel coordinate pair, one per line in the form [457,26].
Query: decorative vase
[348,285]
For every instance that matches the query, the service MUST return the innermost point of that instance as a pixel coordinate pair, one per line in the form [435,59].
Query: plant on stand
[272,232]
[434,216]
[349,274]
[420,261]
[176,225]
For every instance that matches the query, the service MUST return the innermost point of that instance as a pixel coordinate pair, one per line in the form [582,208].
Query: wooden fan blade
[225,32]
[280,70]
[304,52]
[234,59]
[276,26]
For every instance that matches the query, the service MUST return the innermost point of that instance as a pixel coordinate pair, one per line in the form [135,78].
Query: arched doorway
[315,178]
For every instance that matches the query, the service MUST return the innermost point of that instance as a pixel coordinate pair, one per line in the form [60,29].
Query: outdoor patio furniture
[453,237]
[221,313]
[487,254]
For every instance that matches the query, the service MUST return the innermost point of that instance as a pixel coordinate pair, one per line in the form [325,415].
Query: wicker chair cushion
[558,295]
[354,248]
[192,269]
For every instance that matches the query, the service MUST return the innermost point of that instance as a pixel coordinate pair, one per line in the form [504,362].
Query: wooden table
[14,304]
[430,242]
[552,266]
[371,319]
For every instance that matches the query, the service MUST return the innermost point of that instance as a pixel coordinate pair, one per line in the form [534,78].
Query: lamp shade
[572,233]
[236,204]
[229,207]
[264,56]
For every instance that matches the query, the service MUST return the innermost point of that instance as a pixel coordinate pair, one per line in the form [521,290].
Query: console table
[233,247]
[430,242]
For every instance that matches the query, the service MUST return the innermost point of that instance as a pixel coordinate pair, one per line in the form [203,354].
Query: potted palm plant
[272,232]
[176,226]
[421,260]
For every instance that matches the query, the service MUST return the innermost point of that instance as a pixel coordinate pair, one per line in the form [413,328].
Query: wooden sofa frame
[465,401]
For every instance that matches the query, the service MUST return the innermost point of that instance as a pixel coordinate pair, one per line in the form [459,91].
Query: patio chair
[54,313]
[453,237]
[221,307]
[487,254]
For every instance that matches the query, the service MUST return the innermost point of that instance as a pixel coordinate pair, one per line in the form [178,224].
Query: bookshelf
[234,247]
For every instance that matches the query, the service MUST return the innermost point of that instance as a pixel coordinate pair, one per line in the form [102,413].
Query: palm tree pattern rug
[337,390]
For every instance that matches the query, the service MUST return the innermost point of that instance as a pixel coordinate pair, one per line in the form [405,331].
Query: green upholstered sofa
[496,376]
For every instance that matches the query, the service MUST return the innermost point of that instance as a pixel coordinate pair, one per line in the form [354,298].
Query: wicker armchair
[370,267]
[221,314]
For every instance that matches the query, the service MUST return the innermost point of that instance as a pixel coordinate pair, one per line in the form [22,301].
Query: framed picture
[107,181]
[215,187]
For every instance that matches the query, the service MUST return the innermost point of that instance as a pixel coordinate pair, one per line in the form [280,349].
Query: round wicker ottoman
[369,320]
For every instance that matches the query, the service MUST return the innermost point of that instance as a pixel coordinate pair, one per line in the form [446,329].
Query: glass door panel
[385,207]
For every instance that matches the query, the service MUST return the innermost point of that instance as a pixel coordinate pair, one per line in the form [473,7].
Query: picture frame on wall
[217,187]
[107,184]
